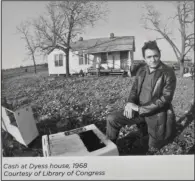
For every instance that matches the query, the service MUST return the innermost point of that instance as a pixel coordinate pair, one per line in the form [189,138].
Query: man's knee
[112,119]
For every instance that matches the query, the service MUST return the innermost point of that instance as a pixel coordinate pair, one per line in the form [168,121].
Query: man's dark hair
[152,45]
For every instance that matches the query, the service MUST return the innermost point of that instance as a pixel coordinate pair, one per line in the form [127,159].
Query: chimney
[111,35]
[81,39]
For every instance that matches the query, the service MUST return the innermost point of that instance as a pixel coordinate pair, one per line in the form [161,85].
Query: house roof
[105,44]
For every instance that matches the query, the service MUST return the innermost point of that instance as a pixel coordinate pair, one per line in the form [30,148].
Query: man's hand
[128,111]
[134,107]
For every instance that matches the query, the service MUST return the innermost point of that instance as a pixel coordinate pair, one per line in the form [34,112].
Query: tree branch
[188,50]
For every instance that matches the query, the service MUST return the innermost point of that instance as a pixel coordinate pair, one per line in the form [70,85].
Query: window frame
[86,59]
[83,58]
[61,60]
[58,60]
[80,53]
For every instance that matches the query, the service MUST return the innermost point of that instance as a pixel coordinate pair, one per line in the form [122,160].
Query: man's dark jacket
[158,112]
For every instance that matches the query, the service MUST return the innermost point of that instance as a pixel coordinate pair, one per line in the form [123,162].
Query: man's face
[152,58]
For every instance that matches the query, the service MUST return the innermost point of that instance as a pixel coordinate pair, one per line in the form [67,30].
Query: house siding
[74,66]
[74,62]
[51,64]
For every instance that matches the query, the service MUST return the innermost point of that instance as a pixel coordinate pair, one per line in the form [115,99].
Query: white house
[57,62]
[111,52]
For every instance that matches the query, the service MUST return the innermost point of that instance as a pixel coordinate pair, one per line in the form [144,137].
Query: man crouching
[149,100]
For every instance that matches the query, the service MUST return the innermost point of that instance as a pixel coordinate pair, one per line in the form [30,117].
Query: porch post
[132,57]
[130,61]
[98,64]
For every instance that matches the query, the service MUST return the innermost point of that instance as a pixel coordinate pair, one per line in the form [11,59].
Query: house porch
[113,60]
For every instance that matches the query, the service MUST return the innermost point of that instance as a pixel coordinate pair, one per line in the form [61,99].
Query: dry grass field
[61,104]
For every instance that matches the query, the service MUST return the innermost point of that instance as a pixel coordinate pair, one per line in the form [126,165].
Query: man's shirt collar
[148,70]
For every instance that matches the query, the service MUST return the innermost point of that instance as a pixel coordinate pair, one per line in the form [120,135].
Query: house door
[123,59]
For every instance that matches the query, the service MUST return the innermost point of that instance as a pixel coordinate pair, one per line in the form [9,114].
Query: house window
[58,59]
[86,59]
[61,60]
[81,58]
[103,58]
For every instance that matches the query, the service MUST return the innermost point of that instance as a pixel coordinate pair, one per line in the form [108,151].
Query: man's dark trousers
[116,120]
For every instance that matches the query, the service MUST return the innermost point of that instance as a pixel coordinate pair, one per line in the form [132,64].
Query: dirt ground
[61,104]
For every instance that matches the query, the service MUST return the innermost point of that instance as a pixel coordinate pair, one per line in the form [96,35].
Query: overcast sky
[123,20]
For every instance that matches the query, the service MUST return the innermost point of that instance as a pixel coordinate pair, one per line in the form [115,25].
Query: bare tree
[64,21]
[24,30]
[185,17]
